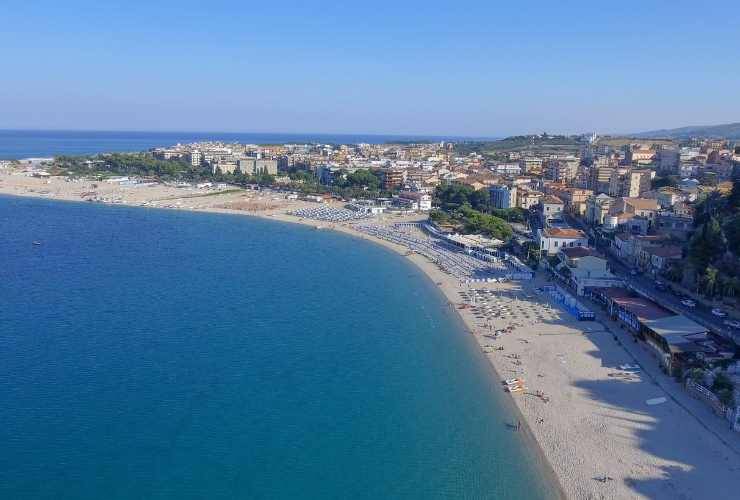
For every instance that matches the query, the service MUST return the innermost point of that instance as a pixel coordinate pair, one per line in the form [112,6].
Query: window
[556,243]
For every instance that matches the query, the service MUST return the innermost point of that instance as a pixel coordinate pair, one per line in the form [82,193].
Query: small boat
[36,243]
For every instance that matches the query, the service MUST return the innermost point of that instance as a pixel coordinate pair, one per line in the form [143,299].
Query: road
[646,286]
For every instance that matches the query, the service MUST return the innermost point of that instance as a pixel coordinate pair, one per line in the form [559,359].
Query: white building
[553,239]
[416,200]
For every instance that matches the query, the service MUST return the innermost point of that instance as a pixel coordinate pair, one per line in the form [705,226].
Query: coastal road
[645,285]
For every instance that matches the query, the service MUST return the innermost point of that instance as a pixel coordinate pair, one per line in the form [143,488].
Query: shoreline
[594,426]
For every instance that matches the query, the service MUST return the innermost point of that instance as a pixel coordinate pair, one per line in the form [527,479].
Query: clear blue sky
[482,68]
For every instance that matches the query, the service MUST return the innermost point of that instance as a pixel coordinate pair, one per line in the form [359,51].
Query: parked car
[719,312]
[633,272]
[660,286]
[732,323]
[688,303]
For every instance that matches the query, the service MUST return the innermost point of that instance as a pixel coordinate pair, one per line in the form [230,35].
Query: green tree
[707,244]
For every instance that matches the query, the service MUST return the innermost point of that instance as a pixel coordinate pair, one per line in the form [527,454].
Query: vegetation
[469,211]
[469,221]
[454,196]
[138,164]
[723,388]
[498,150]
[714,249]
[665,181]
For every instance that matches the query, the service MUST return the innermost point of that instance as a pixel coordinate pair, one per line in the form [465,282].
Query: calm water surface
[17,144]
[164,354]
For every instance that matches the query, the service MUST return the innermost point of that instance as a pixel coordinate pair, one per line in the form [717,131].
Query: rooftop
[642,203]
[557,232]
[553,200]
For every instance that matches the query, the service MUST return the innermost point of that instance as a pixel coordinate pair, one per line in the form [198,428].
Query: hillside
[729,131]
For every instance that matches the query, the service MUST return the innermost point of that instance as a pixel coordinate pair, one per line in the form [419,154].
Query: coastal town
[600,275]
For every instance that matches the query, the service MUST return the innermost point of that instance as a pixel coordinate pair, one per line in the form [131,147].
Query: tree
[709,280]
[733,201]
[707,244]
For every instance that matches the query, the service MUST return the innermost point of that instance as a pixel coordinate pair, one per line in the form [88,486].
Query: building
[626,208]
[574,199]
[263,166]
[551,209]
[552,239]
[531,164]
[564,170]
[601,172]
[195,158]
[657,259]
[507,169]
[629,183]
[527,198]
[393,178]
[582,267]
[503,196]
[415,200]
[597,208]
[668,160]
[639,156]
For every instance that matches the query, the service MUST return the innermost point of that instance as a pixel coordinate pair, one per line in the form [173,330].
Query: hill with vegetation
[714,249]
[728,131]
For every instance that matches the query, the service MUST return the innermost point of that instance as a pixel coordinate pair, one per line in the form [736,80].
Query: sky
[464,68]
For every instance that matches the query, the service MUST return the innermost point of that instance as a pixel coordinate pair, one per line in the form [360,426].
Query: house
[551,209]
[673,224]
[582,267]
[621,247]
[527,198]
[553,239]
[640,207]
[657,259]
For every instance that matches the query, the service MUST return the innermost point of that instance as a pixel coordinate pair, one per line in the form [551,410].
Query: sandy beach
[592,422]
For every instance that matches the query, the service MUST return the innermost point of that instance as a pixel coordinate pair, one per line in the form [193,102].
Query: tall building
[597,208]
[562,170]
[668,160]
[629,183]
[503,196]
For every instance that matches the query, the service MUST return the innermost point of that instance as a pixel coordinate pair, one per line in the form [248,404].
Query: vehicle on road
[732,323]
[633,272]
[660,286]
[688,303]
[719,312]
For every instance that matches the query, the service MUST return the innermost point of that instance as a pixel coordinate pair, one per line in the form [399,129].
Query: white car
[732,323]
[688,303]
[719,312]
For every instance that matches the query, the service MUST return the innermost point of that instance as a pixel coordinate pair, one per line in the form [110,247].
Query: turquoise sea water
[164,354]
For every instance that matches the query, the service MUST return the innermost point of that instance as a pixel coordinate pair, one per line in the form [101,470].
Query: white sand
[595,425]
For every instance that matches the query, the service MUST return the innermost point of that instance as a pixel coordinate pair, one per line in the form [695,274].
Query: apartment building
[503,196]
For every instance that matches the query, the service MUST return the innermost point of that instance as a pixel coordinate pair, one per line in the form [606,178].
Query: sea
[21,144]
[165,354]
